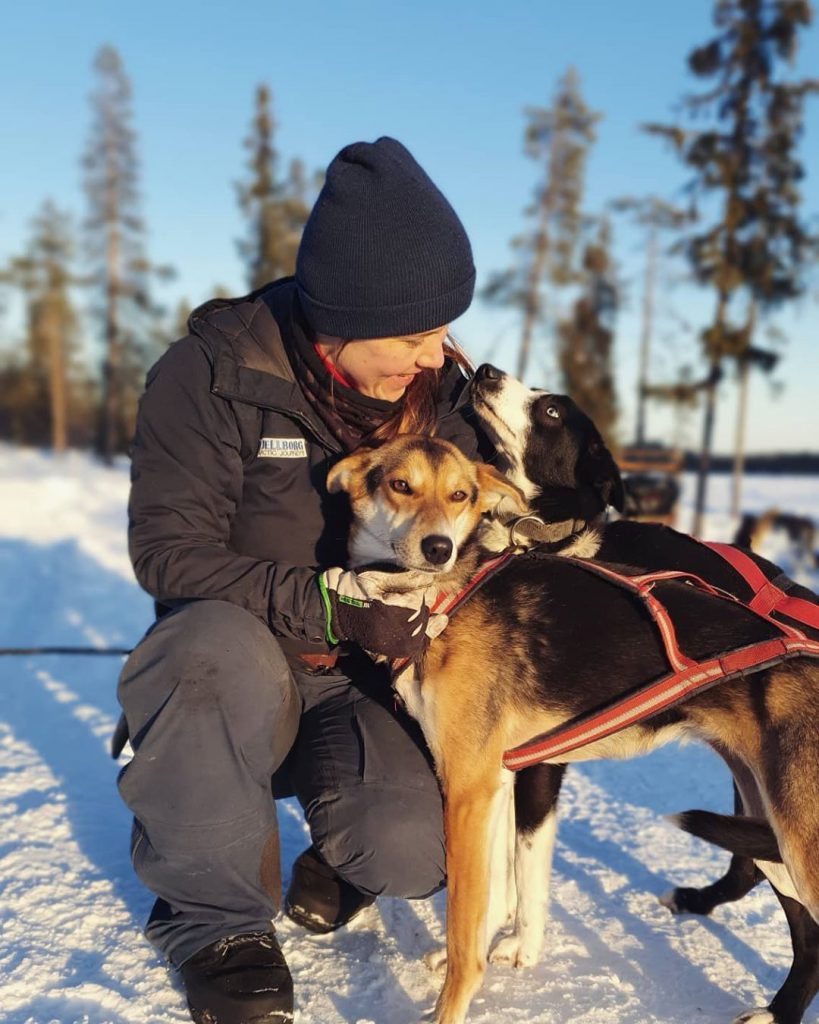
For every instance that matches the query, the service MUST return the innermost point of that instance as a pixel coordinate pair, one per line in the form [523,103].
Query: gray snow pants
[215,712]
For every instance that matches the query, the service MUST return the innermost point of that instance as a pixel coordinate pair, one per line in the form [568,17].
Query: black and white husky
[556,457]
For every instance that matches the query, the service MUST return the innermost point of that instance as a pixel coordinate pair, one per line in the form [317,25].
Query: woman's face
[385,367]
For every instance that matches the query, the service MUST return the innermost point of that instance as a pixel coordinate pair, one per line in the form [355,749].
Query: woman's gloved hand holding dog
[361,609]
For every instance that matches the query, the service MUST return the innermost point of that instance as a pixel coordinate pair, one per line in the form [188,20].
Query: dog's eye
[401,486]
[458,496]
[553,412]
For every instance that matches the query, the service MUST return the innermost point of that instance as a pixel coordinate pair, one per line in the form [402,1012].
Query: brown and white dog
[787,538]
[539,644]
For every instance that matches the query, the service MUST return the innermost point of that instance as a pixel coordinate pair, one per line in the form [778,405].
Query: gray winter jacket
[228,498]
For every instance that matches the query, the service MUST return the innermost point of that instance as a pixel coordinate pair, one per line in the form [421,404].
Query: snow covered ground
[71,948]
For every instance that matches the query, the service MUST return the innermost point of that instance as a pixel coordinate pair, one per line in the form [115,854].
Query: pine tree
[42,381]
[116,242]
[586,338]
[558,138]
[754,252]
[276,210]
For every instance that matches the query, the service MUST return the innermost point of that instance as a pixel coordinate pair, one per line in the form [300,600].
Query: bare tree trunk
[645,339]
[705,457]
[533,289]
[533,301]
[109,400]
[742,416]
[526,339]
[57,383]
[739,443]
[110,380]
[111,367]
[708,429]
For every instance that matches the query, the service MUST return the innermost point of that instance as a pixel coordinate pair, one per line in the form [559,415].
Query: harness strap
[650,700]
[448,603]
[768,597]
[642,585]
[688,676]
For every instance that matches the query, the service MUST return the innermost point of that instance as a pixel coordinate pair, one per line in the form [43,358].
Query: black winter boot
[318,899]
[242,979]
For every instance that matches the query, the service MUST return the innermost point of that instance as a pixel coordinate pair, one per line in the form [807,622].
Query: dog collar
[533,528]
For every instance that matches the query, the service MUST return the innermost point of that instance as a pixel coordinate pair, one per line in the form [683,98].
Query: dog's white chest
[419,702]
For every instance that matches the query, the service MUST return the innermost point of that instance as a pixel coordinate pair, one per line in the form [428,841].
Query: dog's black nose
[436,549]
[488,372]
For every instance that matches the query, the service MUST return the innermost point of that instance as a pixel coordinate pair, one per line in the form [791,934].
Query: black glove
[394,625]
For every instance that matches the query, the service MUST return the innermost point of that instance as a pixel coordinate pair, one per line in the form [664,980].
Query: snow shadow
[57,716]
[620,859]
[650,935]
[64,706]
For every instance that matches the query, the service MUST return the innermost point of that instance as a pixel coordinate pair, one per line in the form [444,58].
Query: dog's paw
[760,1016]
[512,950]
[686,901]
[435,960]
[669,900]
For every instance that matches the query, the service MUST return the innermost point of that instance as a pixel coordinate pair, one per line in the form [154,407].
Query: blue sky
[450,80]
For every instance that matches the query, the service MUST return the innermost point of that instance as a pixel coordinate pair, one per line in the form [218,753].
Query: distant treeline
[785,463]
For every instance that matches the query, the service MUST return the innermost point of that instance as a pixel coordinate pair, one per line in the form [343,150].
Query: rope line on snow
[122,651]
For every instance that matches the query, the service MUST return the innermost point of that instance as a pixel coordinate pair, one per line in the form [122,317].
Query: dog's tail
[748,837]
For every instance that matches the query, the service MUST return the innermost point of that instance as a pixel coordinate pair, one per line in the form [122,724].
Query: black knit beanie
[383,253]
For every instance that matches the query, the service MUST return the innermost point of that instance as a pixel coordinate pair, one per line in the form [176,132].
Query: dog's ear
[602,472]
[617,491]
[494,487]
[343,475]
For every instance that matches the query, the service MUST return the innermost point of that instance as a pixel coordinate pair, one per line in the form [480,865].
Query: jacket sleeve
[186,484]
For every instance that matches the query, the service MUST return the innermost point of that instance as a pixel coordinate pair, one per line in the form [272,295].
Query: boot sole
[318,925]
[276,1017]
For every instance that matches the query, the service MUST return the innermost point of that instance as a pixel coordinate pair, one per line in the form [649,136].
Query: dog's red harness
[448,604]
[768,598]
[687,676]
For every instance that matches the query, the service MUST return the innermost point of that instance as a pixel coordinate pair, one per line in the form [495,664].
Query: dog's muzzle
[487,372]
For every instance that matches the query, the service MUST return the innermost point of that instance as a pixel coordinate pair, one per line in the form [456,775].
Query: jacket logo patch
[282,448]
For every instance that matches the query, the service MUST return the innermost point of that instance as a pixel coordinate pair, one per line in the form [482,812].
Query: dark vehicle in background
[651,480]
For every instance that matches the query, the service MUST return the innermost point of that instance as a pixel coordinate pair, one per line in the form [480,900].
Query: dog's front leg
[502,895]
[536,794]
[502,892]
[468,813]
